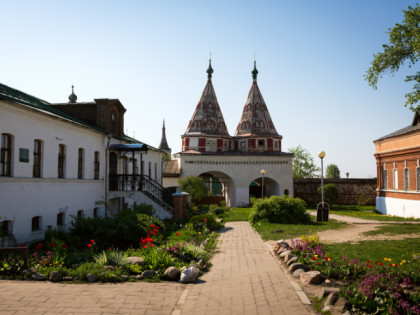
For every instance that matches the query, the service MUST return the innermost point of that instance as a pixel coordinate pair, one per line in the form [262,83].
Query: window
[80,163]
[156,171]
[6,228]
[418,177]
[60,219]
[95,212]
[36,223]
[286,192]
[125,165]
[37,158]
[261,143]
[142,168]
[80,214]
[406,181]
[96,166]
[395,179]
[385,179]
[150,169]
[6,155]
[136,168]
[61,160]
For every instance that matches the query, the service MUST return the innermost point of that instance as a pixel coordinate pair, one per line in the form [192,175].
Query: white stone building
[250,163]
[54,164]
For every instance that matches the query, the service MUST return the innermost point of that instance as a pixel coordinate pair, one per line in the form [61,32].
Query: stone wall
[351,190]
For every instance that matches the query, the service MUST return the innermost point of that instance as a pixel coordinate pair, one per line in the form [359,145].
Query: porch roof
[132,147]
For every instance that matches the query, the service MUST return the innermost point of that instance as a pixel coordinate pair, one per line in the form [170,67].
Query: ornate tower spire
[255,120]
[163,143]
[72,96]
[207,117]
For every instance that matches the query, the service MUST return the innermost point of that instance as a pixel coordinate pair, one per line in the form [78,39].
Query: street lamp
[347,174]
[323,207]
[262,190]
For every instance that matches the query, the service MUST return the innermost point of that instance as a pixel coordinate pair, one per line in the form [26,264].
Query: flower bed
[164,245]
[372,287]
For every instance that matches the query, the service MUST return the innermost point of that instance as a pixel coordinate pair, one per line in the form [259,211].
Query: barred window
[6,155]
[61,160]
[80,163]
[37,158]
[96,166]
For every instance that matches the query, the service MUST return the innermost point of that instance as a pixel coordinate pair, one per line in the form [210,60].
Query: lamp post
[322,208]
[262,190]
[347,174]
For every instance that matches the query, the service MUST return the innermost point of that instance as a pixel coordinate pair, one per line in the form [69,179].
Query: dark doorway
[113,165]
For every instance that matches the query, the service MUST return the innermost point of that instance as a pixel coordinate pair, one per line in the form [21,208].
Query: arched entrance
[220,187]
[256,189]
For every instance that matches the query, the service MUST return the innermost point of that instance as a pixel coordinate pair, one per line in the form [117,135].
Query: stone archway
[271,188]
[220,185]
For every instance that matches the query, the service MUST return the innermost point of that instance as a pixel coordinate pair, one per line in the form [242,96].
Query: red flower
[381,264]
[314,258]
[370,266]
[376,262]
[319,263]
[368,261]
[151,245]
[355,269]
[65,246]
[89,245]
[396,265]
[177,233]
[92,241]
[152,226]
[145,246]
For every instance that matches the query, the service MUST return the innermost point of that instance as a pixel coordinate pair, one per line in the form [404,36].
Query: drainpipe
[109,136]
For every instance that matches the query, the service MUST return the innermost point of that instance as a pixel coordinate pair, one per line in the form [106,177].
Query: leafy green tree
[332,171]
[195,186]
[330,193]
[303,163]
[403,47]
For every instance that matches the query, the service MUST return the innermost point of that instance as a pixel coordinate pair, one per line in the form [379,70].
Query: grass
[376,251]
[364,212]
[237,214]
[276,231]
[394,229]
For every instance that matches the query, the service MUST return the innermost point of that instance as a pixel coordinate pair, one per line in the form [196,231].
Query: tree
[303,163]
[404,46]
[332,171]
[330,193]
[193,185]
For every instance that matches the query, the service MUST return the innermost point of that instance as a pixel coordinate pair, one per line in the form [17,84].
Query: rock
[288,257]
[311,277]
[67,278]
[38,276]
[291,261]
[325,291]
[338,307]
[296,266]
[55,276]
[326,309]
[347,313]
[135,260]
[189,275]
[27,272]
[331,299]
[296,273]
[90,278]
[201,264]
[172,273]
[125,277]
[283,243]
[138,277]
[110,268]
[147,274]
[284,253]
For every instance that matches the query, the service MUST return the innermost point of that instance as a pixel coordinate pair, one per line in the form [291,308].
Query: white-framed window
[96,166]
[406,179]
[80,214]
[80,163]
[395,178]
[37,158]
[61,160]
[36,223]
[385,179]
[6,155]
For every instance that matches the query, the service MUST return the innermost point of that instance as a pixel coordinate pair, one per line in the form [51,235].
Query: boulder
[296,273]
[172,273]
[311,277]
[67,278]
[283,243]
[296,266]
[338,306]
[292,261]
[201,264]
[90,278]
[284,253]
[135,260]
[288,257]
[38,276]
[147,274]
[189,275]
[331,299]
[125,277]
[27,272]
[55,276]
[325,291]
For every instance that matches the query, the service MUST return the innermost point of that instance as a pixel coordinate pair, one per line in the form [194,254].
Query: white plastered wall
[398,207]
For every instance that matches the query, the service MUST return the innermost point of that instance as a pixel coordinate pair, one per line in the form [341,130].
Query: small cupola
[72,96]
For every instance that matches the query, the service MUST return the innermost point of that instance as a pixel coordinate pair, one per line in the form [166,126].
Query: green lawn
[394,229]
[376,251]
[364,212]
[237,214]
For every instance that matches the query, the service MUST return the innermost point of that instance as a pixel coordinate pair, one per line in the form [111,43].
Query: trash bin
[322,212]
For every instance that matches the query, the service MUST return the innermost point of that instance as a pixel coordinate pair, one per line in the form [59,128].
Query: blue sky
[152,56]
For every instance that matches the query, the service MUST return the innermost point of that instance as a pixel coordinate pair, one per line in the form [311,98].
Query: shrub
[199,222]
[195,186]
[112,257]
[217,210]
[330,193]
[284,209]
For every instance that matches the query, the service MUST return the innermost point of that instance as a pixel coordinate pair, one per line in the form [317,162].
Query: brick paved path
[244,279]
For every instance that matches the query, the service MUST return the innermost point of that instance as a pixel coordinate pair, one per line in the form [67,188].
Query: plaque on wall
[23,155]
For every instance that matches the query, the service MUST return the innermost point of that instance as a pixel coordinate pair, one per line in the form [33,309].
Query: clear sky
[152,56]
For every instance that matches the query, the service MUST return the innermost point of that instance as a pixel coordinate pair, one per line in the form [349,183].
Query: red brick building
[398,168]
